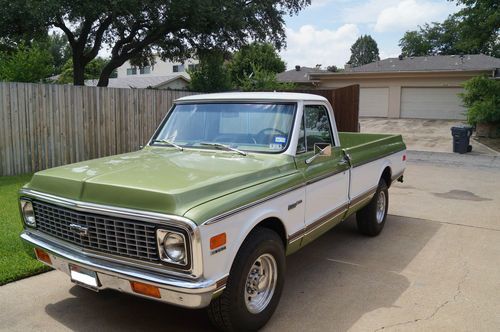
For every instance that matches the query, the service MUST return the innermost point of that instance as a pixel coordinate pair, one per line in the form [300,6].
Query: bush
[482,99]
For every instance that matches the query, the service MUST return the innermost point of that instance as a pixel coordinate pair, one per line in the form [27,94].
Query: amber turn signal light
[217,241]
[145,289]
[43,256]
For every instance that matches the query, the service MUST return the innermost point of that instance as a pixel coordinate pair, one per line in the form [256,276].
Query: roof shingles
[466,62]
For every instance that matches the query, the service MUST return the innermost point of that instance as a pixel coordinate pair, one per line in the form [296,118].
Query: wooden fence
[345,102]
[43,126]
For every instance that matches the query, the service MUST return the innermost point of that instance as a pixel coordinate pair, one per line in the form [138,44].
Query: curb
[454,159]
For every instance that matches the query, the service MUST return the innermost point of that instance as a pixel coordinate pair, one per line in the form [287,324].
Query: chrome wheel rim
[381,201]
[261,283]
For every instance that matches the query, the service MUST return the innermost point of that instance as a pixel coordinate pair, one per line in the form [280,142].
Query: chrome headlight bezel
[162,235]
[27,212]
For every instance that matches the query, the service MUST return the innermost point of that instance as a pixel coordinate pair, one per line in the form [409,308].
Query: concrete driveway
[435,267]
[422,135]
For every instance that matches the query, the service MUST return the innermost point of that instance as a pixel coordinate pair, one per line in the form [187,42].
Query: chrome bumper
[184,293]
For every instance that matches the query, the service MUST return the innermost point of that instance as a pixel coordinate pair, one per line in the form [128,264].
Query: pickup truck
[205,213]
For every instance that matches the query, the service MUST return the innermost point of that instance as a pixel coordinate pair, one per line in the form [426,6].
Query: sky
[324,32]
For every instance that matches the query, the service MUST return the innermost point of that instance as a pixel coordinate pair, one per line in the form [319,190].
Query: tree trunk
[78,70]
[108,70]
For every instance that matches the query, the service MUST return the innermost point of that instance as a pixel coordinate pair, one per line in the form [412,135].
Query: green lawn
[16,258]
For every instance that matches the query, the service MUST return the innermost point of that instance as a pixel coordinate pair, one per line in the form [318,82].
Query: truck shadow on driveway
[330,285]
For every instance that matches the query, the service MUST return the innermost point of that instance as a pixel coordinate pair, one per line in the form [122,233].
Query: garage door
[431,103]
[373,102]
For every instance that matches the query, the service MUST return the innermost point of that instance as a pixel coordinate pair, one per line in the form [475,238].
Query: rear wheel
[371,218]
[254,285]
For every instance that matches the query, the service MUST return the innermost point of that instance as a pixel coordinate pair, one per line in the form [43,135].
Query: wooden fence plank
[44,126]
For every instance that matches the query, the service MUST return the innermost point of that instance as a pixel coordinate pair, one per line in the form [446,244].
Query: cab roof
[253,96]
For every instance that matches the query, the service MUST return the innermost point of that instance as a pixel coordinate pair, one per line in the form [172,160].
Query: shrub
[482,99]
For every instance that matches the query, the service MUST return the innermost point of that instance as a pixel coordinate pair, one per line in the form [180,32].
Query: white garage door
[431,103]
[373,102]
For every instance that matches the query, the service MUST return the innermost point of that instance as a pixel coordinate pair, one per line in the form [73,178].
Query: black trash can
[461,138]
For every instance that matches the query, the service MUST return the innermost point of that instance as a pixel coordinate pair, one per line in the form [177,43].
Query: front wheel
[371,218]
[254,286]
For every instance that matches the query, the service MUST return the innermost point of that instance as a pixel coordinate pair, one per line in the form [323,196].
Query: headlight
[28,213]
[172,247]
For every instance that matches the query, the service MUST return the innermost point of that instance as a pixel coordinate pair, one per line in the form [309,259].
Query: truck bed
[364,148]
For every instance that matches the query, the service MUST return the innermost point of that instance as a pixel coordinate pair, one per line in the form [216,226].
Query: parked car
[205,213]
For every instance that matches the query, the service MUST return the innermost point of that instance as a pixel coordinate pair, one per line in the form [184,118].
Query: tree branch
[99,34]
[60,24]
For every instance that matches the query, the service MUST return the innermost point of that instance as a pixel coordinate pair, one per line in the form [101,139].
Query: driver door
[327,177]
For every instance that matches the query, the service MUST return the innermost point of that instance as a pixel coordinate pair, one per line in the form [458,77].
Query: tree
[58,47]
[363,51]
[26,64]
[414,44]
[332,69]
[261,55]
[211,74]
[473,29]
[263,80]
[134,30]
[92,70]
[482,99]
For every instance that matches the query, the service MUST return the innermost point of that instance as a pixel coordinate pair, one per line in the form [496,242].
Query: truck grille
[106,234]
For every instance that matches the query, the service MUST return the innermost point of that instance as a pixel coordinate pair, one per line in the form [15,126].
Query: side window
[317,126]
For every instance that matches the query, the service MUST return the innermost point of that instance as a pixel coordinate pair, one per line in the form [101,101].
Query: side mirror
[320,150]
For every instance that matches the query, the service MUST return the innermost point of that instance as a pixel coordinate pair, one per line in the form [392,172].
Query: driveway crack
[458,292]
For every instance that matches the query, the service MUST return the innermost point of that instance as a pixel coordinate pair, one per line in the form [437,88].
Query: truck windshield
[256,127]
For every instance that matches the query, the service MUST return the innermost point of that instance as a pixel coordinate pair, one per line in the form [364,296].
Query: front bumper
[184,293]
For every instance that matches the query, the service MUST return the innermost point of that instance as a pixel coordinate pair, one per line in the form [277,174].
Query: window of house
[315,128]
[178,68]
[132,71]
[193,67]
[145,70]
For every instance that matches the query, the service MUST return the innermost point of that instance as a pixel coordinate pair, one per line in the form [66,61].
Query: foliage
[26,64]
[263,80]
[363,51]
[333,69]
[261,55]
[134,30]
[58,47]
[473,29]
[16,260]
[92,70]
[211,74]
[482,99]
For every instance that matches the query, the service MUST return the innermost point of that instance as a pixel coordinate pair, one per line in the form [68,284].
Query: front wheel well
[387,176]
[275,225]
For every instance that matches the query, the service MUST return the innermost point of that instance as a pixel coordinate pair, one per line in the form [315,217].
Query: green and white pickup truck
[205,213]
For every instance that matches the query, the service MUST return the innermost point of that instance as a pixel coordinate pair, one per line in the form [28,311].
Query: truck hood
[161,179]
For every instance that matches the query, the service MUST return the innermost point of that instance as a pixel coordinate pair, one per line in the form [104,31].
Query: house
[300,76]
[160,68]
[172,81]
[424,87]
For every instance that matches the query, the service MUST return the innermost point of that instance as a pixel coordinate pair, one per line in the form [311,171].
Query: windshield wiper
[166,141]
[225,147]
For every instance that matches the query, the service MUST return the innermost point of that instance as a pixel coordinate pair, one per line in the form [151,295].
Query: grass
[17,260]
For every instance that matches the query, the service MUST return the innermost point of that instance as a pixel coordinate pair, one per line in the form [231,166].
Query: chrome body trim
[189,226]
[111,275]
[252,204]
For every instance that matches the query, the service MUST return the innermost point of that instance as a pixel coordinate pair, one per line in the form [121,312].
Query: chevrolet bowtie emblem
[78,229]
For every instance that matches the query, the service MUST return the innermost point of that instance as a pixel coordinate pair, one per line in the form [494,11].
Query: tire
[371,218]
[230,311]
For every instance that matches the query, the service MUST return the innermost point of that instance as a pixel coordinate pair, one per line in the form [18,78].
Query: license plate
[84,277]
